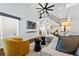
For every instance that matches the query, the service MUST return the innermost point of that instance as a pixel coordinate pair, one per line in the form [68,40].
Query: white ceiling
[60,9]
[28,9]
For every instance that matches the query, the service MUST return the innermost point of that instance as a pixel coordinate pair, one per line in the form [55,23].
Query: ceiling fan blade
[41,5]
[51,6]
[38,8]
[46,5]
[46,11]
[50,9]
[41,10]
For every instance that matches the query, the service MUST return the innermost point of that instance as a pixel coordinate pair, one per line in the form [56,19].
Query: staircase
[54,18]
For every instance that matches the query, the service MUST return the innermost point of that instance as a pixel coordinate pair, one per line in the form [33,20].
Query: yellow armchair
[15,47]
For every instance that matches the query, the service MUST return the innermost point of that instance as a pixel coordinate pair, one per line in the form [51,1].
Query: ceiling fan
[45,8]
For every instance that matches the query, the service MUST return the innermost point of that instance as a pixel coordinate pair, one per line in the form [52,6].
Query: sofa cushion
[52,52]
[70,43]
[53,43]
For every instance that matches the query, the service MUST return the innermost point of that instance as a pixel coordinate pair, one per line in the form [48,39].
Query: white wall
[0,28]
[73,14]
[25,12]
[29,13]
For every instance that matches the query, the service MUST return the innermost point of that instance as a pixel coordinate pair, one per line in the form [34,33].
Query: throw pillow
[59,46]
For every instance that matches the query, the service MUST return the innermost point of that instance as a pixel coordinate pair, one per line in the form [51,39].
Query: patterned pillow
[59,46]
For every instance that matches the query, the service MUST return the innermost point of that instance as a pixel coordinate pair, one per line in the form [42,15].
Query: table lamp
[65,24]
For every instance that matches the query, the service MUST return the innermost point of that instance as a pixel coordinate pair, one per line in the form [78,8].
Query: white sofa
[50,49]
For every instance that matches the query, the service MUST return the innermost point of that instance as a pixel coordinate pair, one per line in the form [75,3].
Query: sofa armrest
[51,52]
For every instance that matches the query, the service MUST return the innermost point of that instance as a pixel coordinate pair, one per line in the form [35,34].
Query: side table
[37,47]
[43,41]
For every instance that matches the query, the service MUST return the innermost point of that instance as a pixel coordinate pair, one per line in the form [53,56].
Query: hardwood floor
[2,52]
